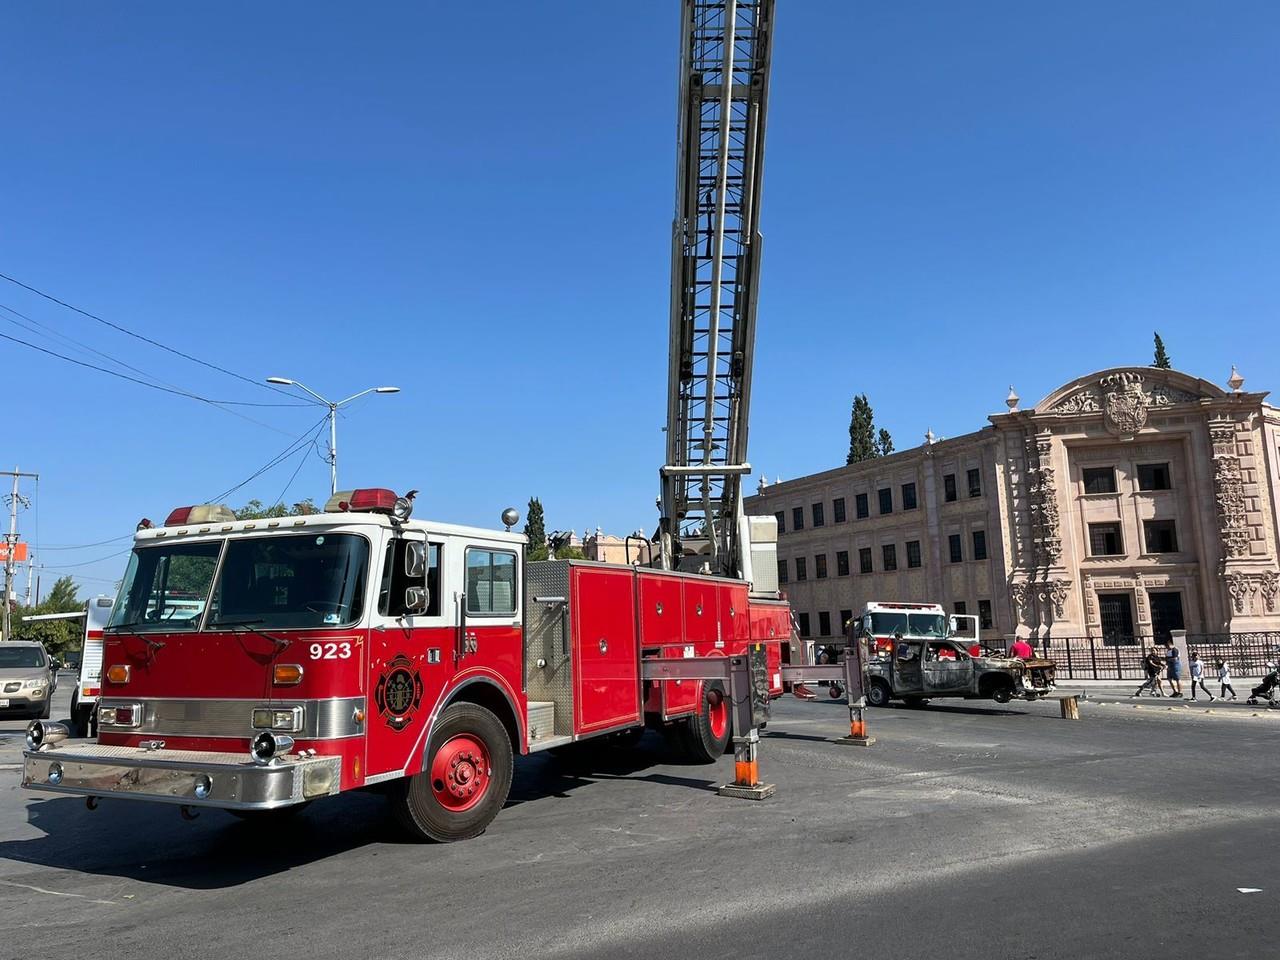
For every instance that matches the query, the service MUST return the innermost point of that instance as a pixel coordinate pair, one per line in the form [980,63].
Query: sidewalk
[1123,690]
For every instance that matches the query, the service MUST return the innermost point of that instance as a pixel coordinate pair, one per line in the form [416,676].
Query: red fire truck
[256,665]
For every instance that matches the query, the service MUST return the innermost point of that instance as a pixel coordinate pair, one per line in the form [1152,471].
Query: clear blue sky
[474,203]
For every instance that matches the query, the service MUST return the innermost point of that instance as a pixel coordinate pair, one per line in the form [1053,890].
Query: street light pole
[333,419]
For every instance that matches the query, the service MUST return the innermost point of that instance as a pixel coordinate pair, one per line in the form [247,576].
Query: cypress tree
[1162,358]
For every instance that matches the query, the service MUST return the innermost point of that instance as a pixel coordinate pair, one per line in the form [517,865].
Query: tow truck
[257,665]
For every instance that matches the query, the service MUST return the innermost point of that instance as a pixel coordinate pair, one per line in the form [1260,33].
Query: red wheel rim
[717,713]
[460,773]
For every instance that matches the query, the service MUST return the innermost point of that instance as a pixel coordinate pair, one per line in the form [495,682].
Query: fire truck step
[542,720]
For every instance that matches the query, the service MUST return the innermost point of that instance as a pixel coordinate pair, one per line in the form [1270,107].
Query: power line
[85,546]
[220,404]
[47,331]
[274,461]
[137,336]
[86,563]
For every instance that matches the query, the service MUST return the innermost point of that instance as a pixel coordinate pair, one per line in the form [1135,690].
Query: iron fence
[1096,658]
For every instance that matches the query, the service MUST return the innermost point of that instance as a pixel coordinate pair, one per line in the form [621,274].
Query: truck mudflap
[194,778]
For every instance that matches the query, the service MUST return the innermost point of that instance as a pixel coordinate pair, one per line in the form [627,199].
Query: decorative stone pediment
[1125,396]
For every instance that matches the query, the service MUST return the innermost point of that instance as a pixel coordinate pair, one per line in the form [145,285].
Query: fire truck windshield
[884,624]
[165,587]
[296,581]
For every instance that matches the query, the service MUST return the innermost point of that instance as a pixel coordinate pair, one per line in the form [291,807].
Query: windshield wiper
[120,628]
[250,626]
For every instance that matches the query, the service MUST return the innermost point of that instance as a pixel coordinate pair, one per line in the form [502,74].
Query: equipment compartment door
[606,654]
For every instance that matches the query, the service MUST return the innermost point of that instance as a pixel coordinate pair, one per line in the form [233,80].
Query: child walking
[1224,680]
[1197,677]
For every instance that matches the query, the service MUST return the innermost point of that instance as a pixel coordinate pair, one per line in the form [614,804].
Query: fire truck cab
[256,665]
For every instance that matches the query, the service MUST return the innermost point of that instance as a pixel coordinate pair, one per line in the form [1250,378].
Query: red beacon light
[364,500]
[200,513]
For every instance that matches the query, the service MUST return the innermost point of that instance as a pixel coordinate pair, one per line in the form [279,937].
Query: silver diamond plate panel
[547,632]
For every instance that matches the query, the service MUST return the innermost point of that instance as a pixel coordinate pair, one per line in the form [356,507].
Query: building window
[1153,476]
[802,570]
[782,571]
[908,496]
[890,552]
[975,482]
[949,487]
[804,623]
[824,624]
[797,518]
[1104,540]
[1161,536]
[913,553]
[818,519]
[820,566]
[959,608]
[782,526]
[886,501]
[837,510]
[864,560]
[979,544]
[956,546]
[842,563]
[984,614]
[862,511]
[845,617]
[1099,479]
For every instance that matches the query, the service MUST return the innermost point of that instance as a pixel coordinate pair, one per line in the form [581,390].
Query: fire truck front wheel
[466,779]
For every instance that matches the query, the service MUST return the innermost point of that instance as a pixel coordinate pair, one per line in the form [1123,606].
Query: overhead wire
[138,336]
[289,451]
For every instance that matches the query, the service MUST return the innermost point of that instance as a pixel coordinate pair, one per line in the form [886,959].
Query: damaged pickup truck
[918,668]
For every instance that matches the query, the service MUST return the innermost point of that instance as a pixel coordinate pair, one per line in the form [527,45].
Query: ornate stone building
[1127,503]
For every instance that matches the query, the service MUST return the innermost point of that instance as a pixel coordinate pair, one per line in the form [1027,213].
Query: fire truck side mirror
[415,559]
[415,599]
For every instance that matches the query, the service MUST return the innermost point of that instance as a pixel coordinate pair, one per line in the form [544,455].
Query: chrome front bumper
[170,776]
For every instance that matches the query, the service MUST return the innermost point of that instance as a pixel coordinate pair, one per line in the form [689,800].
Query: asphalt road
[968,830]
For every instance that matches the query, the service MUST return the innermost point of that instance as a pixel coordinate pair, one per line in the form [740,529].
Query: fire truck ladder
[715,264]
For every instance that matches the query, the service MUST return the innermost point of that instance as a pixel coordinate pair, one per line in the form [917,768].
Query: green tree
[536,531]
[1162,358]
[254,510]
[862,434]
[59,636]
[884,443]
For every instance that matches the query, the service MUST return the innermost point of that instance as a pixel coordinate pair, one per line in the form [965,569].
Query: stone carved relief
[1254,593]
[1228,485]
[1043,495]
[1055,592]
[1020,593]
[1120,397]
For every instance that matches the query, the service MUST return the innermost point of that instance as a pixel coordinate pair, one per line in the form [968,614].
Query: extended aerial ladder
[715,267]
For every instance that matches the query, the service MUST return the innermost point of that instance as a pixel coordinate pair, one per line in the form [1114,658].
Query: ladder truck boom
[715,266]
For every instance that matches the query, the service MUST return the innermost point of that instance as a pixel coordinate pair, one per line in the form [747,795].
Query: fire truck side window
[491,582]
[395,580]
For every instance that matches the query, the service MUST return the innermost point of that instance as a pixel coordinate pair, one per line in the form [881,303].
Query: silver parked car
[27,679]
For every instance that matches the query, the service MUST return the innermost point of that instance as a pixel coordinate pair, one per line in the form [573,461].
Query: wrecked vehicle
[918,668]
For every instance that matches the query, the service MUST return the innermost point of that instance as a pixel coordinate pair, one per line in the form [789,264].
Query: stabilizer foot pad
[855,741]
[759,792]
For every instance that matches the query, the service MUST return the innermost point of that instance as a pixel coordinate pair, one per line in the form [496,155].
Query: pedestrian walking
[1197,677]
[1224,680]
[1151,663]
[1174,663]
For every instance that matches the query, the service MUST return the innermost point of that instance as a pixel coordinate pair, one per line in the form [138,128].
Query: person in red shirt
[1021,649]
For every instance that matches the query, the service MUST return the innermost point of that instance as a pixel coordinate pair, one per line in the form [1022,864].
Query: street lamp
[333,419]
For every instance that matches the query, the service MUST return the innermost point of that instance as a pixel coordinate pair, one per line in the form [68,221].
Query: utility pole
[15,499]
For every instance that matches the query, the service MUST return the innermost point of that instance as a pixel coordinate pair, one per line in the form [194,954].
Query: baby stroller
[1266,690]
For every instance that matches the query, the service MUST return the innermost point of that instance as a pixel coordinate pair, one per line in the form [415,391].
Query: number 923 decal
[330,651]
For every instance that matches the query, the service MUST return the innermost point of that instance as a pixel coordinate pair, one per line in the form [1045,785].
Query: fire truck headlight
[55,773]
[203,786]
[267,746]
[284,719]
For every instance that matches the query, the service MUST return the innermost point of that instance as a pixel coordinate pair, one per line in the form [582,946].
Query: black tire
[48,708]
[415,801]
[835,691]
[1002,694]
[700,742]
[878,694]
